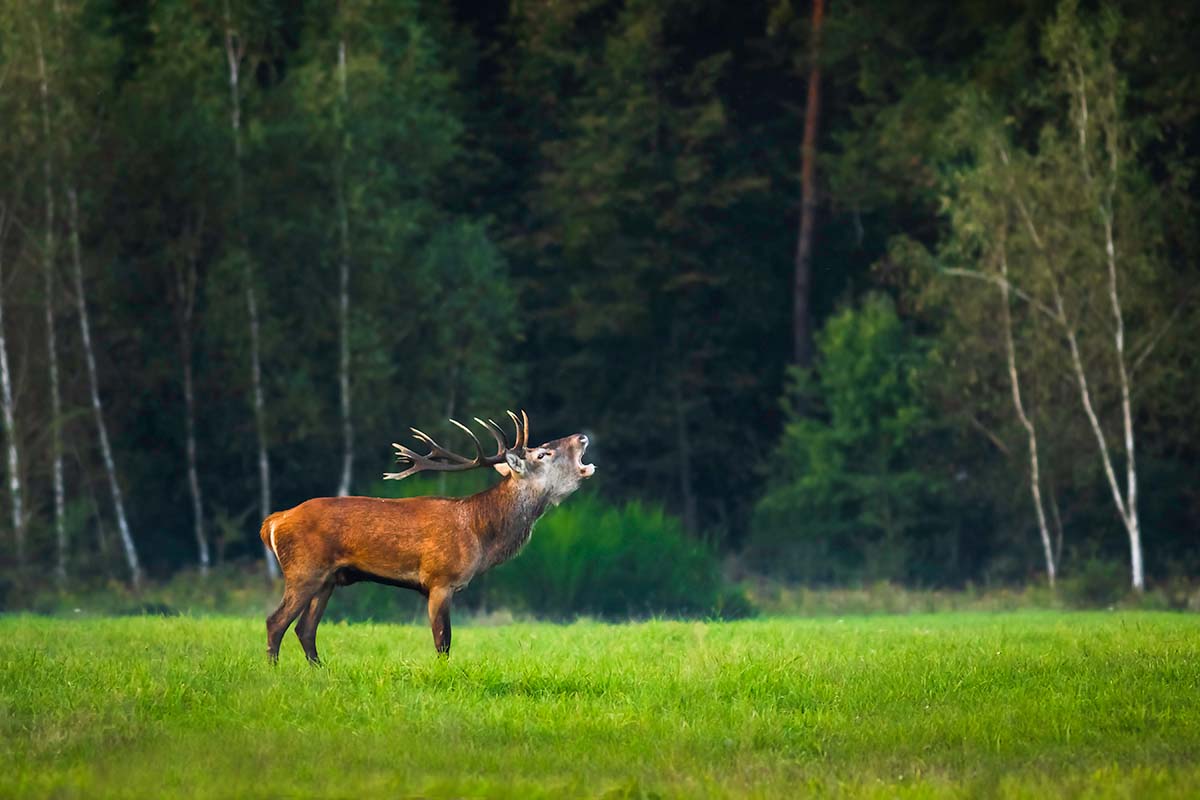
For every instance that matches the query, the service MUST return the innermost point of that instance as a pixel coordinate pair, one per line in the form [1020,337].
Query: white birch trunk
[344,285]
[186,291]
[264,463]
[1128,509]
[16,506]
[1035,487]
[49,253]
[234,52]
[202,549]
[1130,523]
[131,556]
[186,282]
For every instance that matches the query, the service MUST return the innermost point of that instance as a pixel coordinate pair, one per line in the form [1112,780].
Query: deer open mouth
[586,470]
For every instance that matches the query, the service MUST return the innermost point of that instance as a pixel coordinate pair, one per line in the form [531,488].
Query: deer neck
[506,514]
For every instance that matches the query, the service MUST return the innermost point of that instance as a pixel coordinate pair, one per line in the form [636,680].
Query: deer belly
[405,580]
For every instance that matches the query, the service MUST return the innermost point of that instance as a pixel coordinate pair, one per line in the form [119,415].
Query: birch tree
[15,489]
[186,285]
[85,332]
[1027,423]
[982,219]
[1087,69]
[235,55]
[1078,244]
[8,200]
[49,253]
[67,24]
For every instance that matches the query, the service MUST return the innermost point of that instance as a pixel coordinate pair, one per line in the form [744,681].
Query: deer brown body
[434,545]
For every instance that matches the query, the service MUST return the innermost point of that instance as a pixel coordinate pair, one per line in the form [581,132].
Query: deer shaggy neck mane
[504,519]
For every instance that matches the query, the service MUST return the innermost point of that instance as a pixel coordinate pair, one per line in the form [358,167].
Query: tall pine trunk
[49,254]
[234,53]
[802,281]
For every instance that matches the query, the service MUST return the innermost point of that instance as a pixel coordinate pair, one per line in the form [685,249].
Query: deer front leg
[439,618]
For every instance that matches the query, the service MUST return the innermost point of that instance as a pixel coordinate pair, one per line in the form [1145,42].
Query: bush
[589,558]
[1096,583]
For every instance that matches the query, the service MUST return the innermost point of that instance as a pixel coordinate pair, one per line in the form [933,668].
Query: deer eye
[542,455]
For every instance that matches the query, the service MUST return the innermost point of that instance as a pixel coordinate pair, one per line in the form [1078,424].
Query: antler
[439,459]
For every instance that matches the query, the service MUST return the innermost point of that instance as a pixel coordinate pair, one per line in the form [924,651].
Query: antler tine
[439,459]
[399,476]
[524,429]
[479,457]
[402,451]
[497,434]
[522,435]
[436,449]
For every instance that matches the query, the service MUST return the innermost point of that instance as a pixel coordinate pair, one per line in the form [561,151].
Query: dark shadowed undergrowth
[1025,704]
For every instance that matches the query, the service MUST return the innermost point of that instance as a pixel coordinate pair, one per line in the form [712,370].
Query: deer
[433,545]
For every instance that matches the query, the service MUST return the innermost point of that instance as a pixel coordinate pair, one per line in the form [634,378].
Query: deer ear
[502,468]
[515,463]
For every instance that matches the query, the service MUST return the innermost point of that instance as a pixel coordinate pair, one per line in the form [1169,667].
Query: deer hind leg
[310,618]
[439,618]
[295,600]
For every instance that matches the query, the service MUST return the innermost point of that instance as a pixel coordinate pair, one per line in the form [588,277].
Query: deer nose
[583,440]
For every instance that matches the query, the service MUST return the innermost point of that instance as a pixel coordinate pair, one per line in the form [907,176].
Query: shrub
[1095,582]
[589,558]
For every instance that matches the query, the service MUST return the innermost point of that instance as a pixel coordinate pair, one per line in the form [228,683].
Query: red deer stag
[434,545]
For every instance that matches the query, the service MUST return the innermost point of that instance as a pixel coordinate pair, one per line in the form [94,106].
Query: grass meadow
[1023,704]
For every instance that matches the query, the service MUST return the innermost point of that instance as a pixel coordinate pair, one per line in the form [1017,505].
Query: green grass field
[1028,704]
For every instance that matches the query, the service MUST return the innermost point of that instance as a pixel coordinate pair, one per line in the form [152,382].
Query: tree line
[858,291]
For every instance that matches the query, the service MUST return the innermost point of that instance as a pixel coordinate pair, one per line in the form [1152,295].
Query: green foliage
[644,217]
[1025,705]
[1096,582]
[1035,188]
[589,558]
[848,498]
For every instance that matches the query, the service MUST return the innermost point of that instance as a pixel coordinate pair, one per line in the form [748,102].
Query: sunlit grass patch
[1027,704]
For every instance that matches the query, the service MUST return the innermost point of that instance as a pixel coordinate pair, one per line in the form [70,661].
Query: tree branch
[996,280]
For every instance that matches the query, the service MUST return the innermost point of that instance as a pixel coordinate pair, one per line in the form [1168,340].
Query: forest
[842,292]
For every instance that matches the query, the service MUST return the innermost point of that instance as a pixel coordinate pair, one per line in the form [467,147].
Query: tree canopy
[304,227]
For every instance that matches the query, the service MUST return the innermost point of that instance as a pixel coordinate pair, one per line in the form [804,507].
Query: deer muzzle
[586,470]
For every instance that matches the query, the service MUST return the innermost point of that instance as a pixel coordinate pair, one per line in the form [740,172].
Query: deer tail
[267,532]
